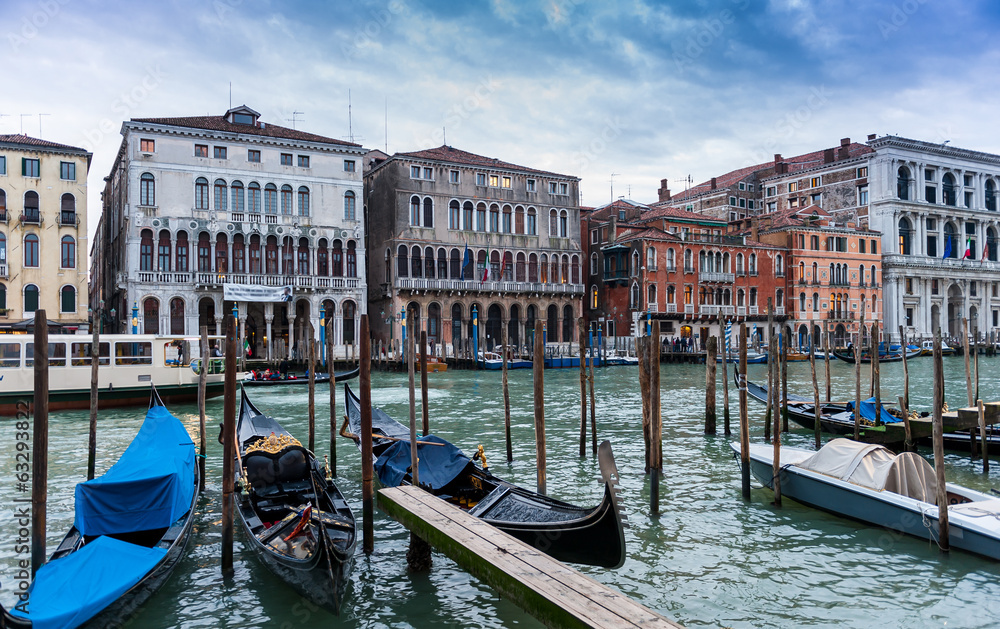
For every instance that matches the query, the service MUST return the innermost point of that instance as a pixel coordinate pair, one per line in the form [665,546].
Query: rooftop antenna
[687,182]
[444,135]
[40,123]
[293,119]
[613,175]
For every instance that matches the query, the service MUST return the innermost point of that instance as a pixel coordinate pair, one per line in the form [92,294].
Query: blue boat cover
[69,591]
[439,465]
[150,486]
[868,411]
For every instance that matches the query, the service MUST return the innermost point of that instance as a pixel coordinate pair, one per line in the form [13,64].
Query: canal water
[708,560]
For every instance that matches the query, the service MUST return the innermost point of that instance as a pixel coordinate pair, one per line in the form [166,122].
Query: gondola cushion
[264,469]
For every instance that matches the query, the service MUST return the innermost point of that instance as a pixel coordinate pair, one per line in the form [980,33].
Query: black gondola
[592,536]
[295,519]
[340,376]
[136,521]
[848,356]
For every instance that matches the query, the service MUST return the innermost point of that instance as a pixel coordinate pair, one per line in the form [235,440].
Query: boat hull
[114,397]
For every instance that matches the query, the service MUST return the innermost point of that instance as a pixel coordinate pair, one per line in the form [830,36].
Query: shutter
[24,166]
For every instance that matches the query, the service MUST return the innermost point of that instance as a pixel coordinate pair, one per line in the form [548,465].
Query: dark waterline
[709,559]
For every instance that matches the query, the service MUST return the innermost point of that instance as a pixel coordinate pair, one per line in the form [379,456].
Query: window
[349,166]
[303,201]
[793,186]
[816,199]
[204,253]
[506,224]
[3,164]
[30,167]
[930,193]
[238,195]
[270,199]
[563,188]
[732,201]
[531,185]
[67,171]
[506,182]
[253,155]
[771,191]
[201,150]
[67,253]
[428,212]
[815,182]
[350,206]
[874,247]
[286,200]
[553,223]
[743,202]
[163,252]
[147,145]
[494,218]
[563,224]
[862,172]
[453,176]
[303,161]
[286,159]
[31,250]
[742,186]
[480,179]
[147,190]
[552,187]
[863,195]
[494,181]
[481,217]
[792,203]
[253,197]
[201,193]
[428,173]
[532,222]
[415,211]
[453,214]
[414,172]
[219,152]
[67,301]
[467,216]
[30,298]
[182,252]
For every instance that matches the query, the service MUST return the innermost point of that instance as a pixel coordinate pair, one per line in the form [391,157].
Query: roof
[606,211]
[28,141]
[219,123]
[650,233]
[678,213]
[445,153]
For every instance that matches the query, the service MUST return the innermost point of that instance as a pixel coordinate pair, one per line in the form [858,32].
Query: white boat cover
[875,467]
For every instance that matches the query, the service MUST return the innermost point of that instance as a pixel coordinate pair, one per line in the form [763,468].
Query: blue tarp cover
[150,486]
[69,591]
[868,411]
[439,465]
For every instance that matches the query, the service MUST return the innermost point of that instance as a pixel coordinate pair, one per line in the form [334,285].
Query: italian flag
[968,249]
[486,267]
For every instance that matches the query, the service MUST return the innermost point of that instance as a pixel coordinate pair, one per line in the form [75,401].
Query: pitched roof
[25,140]
[666,211]
[650,233]
[606,211]
[445,153]
[219,123]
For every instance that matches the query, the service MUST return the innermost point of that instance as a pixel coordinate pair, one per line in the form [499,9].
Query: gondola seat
[264,468]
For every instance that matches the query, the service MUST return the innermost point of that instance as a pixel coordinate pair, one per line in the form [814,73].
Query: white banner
[256,292]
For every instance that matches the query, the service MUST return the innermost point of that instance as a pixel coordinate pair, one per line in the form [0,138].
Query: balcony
[69,219]
[741,311]
[724,278]
[671,309]
[754,310]
[840,315]
[270,219]
[708,309]
[237,217]
[31,217]
[4,216]
[654,308]
[3,269]
[416,283]
[688,269]
[671,268]
[615,275]
[779,311]
[688,309]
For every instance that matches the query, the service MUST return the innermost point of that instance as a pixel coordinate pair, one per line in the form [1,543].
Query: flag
[486,267]
[246,347]
[968,249]
[466,259]
[986,253]
[947,246]
[503,264]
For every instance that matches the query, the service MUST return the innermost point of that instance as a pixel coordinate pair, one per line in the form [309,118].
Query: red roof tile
[26,140]
[218,123]
[445,153]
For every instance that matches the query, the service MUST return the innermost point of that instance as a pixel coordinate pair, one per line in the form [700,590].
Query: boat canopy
[868,411]
[150,486]
[439,465]
[875,467]
[68,592]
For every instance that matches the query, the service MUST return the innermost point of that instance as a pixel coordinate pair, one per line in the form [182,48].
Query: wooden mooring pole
[818,427]
[229,445]
[410,371]
[311,345]
[425,417]
[538,375]
[876,374]
[826,359]
[506,396]
[938,428]
[332,463]
[95,360]
[642,351]
[582,341]
[656,420]
[906,374]
[710,413]
[40,442]
[206,358]
[786,339]
[982,435]
[367,465]
[593,402]
[968,382]
[857,375]
[771,362]
[418,555]
[776,443]
[725,385]
[744,416]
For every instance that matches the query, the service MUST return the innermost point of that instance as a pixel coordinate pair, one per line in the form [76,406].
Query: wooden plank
[556,594]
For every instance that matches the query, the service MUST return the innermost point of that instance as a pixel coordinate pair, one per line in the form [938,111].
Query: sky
[621,94]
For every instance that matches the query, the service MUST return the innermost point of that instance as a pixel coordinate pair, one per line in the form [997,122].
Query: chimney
[612,229]
[828,156]
[664,192]
[871,137]
[753,230]
[713,183]
[777,158]
[845,141]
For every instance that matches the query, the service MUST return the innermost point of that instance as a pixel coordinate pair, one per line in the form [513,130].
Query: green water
[709,559]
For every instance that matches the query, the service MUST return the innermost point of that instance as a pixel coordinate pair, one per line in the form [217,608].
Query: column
[218,325]
[268,318]
[291,334]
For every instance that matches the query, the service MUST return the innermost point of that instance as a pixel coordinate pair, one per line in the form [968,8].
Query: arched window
[302,266]
[564,224]
[238,194]
[544,269]
[520,272]
[481,217]
[650,259]
[802,272]
[688,294]
[593,264]
[651,297]
[633,296]
[779,266]
[337,269]
[467,216]
[220,192]
[163,252]
[3,204]
[150,316]
[753,264]
[429,267]
[271,255]
[348,310]
[255,258]
[286,200]
[815,273]
[495,218]
[239,254]
[702,267]
[146,250]
[3,296]
[456,265]
[495,266]
[323,258]
[687,261]
[31,250]
[270,199]
[991,195]
[253,197]
[670,293]
[402,264]
[3,251]
[815,302]
[739,264]
[31,208]
[442,270]
[532,222]
[905,236]
[779,298]
[303,201]
[177,316]
[350,206]
[416,263]
[519,219]
[671,263]
[182,252]
[507,225]
[352,259]
[740,298]
[948,189]
[67,253]
[147,189]
[415,211]
[532,267]
[951,241]
[802,302]
[67,299]
[454,210]
[288,256]
[903,183]
[221,253]
[201,193]
[553,223]
[30,298]
[428,212]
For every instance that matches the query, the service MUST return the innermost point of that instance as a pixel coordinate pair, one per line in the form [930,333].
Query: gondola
[131,528]
[339,376]
[866,358]
[592,536]
[295,519]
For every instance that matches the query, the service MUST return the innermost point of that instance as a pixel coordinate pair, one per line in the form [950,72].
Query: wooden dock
[552,592]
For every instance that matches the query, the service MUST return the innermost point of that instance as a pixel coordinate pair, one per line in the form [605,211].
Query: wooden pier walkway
[552,592]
